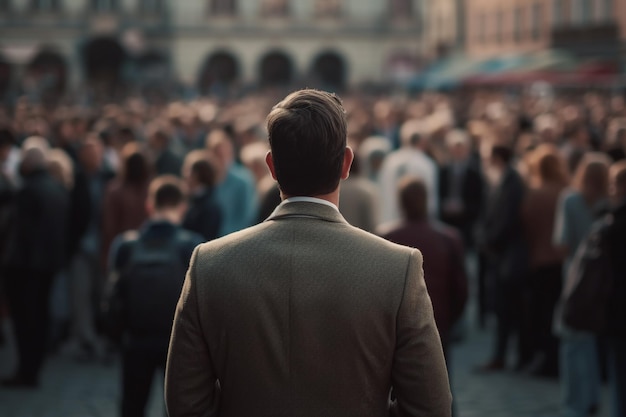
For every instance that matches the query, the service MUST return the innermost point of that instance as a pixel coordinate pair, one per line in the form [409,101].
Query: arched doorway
[103,61]
[219,73]
[6,72]
[276,69]
[46,75]
[329,71]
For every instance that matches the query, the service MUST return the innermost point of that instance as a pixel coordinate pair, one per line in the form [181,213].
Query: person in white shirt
[410,159]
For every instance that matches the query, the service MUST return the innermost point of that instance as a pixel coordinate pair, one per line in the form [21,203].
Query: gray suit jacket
[305,315]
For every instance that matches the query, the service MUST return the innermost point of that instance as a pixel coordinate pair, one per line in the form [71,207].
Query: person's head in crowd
[546,126]
[65,132]
[90,154]
[219,143]
[413,198]
[372,153]
[617,182]
[253,157]
[616,134]
[547,166]
[61,167]
[199,170]
[136,167]
[36,142]
[158,136]
[592,176]
[413,134]
[498,159]
[458,144]
[7,142]
[167,199]
[308,140]
[33,159]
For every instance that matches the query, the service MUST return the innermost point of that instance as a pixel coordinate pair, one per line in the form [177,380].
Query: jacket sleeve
[419,376]
[191,386]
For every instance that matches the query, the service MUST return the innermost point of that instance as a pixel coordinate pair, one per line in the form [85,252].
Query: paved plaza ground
[73,389]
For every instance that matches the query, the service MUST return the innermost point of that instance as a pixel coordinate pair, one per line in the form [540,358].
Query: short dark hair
[413,198]
[166,191]
[201,164]
[307,134]
[503,153]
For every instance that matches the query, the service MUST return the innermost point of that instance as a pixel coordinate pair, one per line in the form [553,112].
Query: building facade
[214,42]
[586,28]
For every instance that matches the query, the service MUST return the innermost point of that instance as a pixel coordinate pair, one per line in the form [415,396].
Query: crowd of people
[517,179]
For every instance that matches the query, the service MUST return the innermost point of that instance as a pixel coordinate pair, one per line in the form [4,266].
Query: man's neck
[332,197]
[171,216]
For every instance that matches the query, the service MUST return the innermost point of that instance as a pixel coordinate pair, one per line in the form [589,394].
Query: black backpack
[143,300]
[589,282]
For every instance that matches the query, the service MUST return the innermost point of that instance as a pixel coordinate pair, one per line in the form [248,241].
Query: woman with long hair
[576,212]
[546,178]
[125,197]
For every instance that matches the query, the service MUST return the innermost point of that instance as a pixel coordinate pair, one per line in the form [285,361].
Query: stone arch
[220,70]
[329,70]
[46,74]
[276,69]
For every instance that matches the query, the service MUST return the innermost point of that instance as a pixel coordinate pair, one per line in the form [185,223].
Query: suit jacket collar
[307,209]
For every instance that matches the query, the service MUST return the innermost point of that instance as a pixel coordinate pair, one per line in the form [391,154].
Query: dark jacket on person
[168,163]
[471,194]
[39,225]
[204,215]
[500,235]
[617,301]
[159,231]
[81,206]
[444,270]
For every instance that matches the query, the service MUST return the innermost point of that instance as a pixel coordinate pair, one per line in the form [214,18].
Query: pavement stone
[73,389]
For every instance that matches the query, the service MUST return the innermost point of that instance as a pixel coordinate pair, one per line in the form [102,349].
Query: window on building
[500,26]
[151,6]
[222,7]
[42,5]
[536,20]
[582,11]
[274,8]
[557,13]
[606,13]
[327,8]
[401,8]
[518,23]
[104,5]
[482,28]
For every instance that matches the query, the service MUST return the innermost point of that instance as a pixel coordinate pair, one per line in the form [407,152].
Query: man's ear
[270,164]
[348,157]
[149,208]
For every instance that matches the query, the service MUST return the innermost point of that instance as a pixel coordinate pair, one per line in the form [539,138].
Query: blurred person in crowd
[372,153]
[617,302]
[86,267]
[166,161]
[576,211]
[547,179]
[235,188]
[204,215]
[410,159]
[500,239]
[460,187]
[124,205]
[36,254]
[441,246]
[386,123]
[253,157]
[616,139]
[146,275]
[325,319]
[9,155]
[358,201]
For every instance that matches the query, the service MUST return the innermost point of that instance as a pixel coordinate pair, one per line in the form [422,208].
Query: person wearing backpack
[147,272]
[616,317]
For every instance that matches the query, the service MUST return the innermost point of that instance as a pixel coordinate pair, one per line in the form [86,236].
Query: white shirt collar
[309,200]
